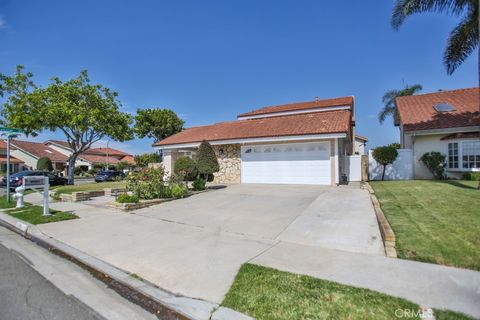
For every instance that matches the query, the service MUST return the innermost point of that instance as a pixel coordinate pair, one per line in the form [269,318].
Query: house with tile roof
[92,156]
[27,153]
[297,143]
[15,163]
[447,122]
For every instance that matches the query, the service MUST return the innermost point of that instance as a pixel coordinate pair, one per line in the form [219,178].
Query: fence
[354,167]
[401,169]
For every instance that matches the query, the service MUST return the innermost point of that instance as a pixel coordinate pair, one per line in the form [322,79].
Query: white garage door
[293,163]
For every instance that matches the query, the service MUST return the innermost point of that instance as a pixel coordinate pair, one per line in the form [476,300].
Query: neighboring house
[27,154]
[359,144]
[298,143]
[30,152]
[16,165]
[92,156]
[444,121]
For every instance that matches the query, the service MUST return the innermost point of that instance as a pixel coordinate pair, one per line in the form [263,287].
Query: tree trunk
[383,172]
[71,167]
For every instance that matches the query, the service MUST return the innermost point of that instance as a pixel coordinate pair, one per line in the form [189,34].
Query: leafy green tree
[45,164]
[435,162]
[122,165]
[385,155]
[389,105]
[186,168]
[157,123]
[463,39]
[207,162]
[142,160]
[84,112]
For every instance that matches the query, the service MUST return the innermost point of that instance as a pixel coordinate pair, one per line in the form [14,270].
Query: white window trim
[460,156]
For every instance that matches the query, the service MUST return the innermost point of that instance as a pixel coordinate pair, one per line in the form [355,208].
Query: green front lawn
[266,293]
[4,205]
[33,215]
[90,187]
[434,221]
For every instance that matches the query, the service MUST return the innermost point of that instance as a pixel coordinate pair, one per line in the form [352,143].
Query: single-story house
[447,122]
[16,165]
[28,153]
[297,143]
[93,155]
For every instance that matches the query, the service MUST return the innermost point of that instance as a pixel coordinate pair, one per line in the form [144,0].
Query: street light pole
[8,168]
[108,164]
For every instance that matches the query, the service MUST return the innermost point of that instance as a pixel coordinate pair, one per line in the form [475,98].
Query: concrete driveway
[195,246]
[340,218]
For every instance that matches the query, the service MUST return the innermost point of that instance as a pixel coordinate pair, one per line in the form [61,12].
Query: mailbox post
[35,183]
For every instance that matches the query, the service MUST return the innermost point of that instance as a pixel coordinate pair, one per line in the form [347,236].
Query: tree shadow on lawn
[458,184]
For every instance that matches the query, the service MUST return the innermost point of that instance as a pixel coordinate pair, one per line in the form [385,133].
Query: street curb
[386,230]
[164,304]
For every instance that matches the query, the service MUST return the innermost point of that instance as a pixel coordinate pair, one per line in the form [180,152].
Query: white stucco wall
[359,146]
[25,157]
[401,169]
[428,143]
[422,145]
[61,150]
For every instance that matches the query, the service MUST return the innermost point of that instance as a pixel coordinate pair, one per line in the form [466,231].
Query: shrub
[45,164]
[122,165]
[472,176]
[125,198]
[199,184]
[77,171]
[385,155]
[178,190]
[92,172]
[207,162]
[187,168]
[142,160]
[99,166]
[435,162]
[147,183]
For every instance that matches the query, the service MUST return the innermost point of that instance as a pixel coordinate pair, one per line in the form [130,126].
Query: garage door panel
[302,163]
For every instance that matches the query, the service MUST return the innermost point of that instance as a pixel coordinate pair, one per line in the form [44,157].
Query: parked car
[16,179]
[109,175]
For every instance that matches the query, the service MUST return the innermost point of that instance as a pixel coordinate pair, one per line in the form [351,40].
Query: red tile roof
[417,112]
[93,158]
[129,159]
[13,160]
[96,151]
[335,102]
[338,121]
[104,151]
[39,150]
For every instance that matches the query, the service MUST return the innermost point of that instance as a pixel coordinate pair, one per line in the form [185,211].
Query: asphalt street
[27,295]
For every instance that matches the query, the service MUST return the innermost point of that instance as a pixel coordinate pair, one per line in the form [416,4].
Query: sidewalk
[202,264]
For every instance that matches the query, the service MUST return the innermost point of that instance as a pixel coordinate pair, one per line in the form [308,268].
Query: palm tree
[389,106]
[463,39]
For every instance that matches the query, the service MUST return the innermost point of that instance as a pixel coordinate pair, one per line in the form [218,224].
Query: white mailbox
[35,183]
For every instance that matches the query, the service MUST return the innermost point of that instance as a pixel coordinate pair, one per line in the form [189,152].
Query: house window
[471,154]
[453,155]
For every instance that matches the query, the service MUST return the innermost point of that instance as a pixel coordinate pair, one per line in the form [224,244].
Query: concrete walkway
[199,256]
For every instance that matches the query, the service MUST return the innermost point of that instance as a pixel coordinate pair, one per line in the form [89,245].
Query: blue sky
[211,60]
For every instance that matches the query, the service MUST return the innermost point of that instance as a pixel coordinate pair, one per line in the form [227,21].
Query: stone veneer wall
[230,164]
